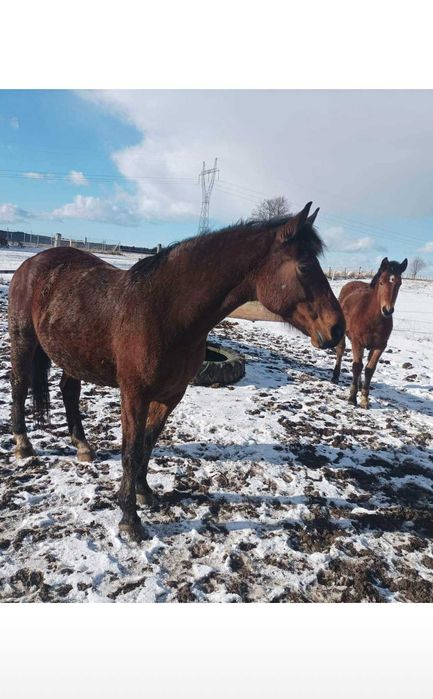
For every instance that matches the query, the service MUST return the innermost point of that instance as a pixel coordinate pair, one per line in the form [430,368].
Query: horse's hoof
[132,532]
[85,455]
[146,499]
[24,452]
[352,401]
[364,404]
[335,379]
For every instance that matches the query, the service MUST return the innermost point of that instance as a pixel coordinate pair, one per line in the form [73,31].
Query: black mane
[308,239]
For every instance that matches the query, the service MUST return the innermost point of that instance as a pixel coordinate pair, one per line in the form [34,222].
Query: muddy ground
[274,489]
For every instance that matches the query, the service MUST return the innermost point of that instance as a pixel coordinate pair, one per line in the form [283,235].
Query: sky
[122,166]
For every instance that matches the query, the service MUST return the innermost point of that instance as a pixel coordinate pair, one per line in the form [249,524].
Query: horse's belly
[80,356]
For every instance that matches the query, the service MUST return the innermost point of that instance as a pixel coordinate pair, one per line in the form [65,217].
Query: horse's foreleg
[357,352]
[23,346]
[71,389]
[157,417]
[373,359]
[339,352]
[134,414]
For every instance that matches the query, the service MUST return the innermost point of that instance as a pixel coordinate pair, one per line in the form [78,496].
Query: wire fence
[349,274]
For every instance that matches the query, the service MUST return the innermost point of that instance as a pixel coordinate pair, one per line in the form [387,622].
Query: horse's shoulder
[353,293]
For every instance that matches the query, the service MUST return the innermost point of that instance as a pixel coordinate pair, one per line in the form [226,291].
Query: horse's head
[387,282]
[291,282]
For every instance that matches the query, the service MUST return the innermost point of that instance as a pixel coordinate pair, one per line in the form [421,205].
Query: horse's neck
[209,282]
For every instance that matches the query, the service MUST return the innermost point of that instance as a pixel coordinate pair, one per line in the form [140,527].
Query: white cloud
[77,178]
[14,122]
[428,247]
[337,240]
[9,213]
[121,211]
[355,150]
[34,175]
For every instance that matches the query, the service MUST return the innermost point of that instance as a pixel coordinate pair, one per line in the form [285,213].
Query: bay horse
[368,310]
[144,329]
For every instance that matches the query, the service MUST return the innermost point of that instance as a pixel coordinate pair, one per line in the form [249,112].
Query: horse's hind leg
[358,352]
[157,417]
[23,346]
[339,352]
[71,389]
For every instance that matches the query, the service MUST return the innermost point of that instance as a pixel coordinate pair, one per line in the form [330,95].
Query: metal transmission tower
[207,178]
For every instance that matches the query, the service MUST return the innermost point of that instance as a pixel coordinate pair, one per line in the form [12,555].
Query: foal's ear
[291,228]
[403,265]
[312,218]
[384,264]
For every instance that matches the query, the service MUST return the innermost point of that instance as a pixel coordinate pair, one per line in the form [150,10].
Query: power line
[236,194]
[236,190]
[45,175]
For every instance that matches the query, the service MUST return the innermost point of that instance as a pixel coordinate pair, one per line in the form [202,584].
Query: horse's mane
[308,239]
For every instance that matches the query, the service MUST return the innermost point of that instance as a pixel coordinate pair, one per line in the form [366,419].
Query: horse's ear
[291,228]
[403,265]
[312,218]
[383,265]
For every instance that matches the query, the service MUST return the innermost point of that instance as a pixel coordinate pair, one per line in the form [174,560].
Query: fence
[336,274]
[23,239]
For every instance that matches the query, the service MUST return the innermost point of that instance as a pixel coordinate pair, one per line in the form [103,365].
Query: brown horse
[144,330]
[368,310]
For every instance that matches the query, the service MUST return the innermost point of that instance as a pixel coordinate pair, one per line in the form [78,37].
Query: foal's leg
[71,389]
[357,352]
[134,414]
[339,351]
[373,359]
[23,346]
[157,417]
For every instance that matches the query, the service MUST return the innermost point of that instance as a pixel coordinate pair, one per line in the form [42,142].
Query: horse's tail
[41,394]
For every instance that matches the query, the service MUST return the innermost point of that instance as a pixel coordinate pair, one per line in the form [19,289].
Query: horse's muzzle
[387,312]
[337,333]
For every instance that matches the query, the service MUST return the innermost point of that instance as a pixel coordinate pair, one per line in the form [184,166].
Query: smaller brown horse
[368,310]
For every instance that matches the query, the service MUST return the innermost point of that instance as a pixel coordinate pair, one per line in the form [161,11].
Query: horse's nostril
[337,331]
[387,311]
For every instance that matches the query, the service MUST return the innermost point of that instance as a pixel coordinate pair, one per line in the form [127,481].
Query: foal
[144,330]
[368,310]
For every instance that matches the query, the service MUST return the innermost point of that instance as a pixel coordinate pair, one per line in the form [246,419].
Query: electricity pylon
[207,178]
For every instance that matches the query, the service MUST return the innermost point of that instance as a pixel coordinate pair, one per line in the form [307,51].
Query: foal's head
[387,282]
[291,282]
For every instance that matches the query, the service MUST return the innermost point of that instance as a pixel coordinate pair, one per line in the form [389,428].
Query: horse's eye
[391,279]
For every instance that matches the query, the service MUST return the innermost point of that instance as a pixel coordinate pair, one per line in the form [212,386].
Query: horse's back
[38,267]
[357,288]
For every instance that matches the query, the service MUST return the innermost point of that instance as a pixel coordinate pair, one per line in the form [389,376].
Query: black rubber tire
[216,372]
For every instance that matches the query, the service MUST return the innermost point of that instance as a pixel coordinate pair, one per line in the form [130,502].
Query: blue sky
[123,165]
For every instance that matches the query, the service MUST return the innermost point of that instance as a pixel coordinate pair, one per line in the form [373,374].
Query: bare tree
[270,208]
[416,266]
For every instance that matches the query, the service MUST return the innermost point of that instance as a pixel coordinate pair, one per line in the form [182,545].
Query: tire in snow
[220,367]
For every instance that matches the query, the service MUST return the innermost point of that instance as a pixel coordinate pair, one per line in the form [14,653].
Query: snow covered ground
[274,489]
